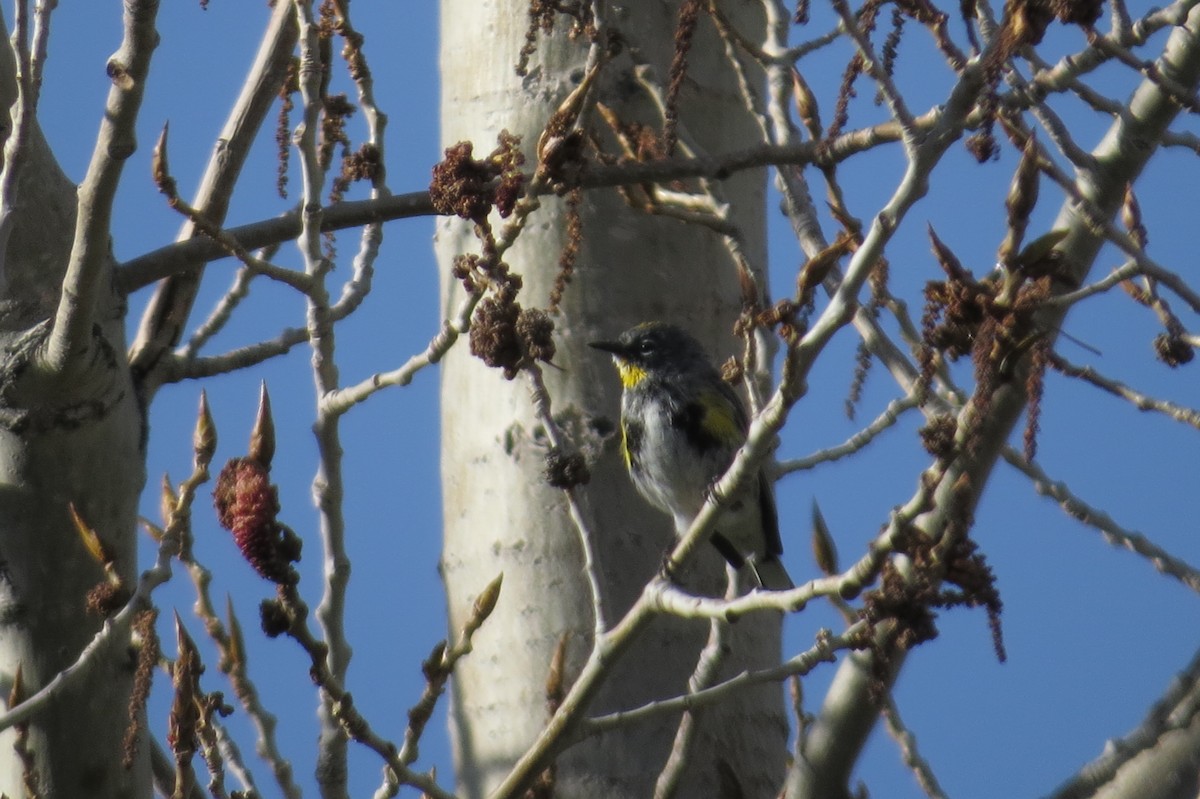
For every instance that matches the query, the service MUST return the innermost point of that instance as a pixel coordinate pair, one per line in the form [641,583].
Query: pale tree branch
[187,367]
[180,368]
[798,665]
[1061,76]
[231,754]
[1113,278]
[841,729]
[176,258]
[90,261]
[1156,759]
[220,315]
[162,323]
[708,665]
[907,742]
[23,113]
[562,449]
[886,419]
[42,12]
[1113,533]
[1139,400]
[163,768]
[342,400]
[328,488]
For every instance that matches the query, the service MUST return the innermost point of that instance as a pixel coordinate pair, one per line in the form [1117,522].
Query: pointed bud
[160,170]
[434,666]
[152,529]
[168,501]
[91,540]
[1022,197]
[1023,192]
[204,440]
[949,261]
[184,716]
[16,694]
[555,680]
[806,105]
[1131,218]
[184,643]
[747,285]
[236,651]
[851,224]
[262,437]
[816,269]
[824,550]
[485,603]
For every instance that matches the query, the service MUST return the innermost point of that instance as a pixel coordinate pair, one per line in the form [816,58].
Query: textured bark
[500,515]
[65,438]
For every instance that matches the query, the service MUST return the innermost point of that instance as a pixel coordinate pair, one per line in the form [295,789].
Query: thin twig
[801,664]
[163,321]
[221,314]
[328,488]
[341,400]
[1093,517]
[540,398]
[908,749]
[1143,402]
[708,665]
[890,415]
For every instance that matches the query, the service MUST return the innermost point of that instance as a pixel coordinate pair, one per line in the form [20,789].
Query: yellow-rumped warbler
[681,425]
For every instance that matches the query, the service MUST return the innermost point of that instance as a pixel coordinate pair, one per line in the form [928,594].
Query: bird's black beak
[614,347]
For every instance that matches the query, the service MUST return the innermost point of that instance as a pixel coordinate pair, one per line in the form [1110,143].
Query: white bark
[64,438]
[67,436]
[500,516]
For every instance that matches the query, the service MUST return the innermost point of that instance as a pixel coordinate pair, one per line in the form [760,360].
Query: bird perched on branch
[681,426]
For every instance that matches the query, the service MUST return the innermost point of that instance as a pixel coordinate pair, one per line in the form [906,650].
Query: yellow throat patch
[630,374]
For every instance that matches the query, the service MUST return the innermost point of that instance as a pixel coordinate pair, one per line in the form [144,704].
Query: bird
[681,425]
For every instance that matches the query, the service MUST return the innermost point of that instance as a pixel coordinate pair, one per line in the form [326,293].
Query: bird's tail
[770,573]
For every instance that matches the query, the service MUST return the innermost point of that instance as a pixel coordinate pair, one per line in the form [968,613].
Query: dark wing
[714,419]
[770,518]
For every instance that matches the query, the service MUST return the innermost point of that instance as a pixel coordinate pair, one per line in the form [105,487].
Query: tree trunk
[66,439]
[500,515]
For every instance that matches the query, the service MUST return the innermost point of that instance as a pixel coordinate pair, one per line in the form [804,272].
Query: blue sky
[1093,634]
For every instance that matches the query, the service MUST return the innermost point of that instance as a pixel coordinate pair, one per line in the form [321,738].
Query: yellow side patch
[630,375]
[719,421]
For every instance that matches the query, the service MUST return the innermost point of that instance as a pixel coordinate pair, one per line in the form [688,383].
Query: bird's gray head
[652,347]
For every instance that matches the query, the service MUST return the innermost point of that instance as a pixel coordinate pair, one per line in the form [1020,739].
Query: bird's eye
[645,346]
